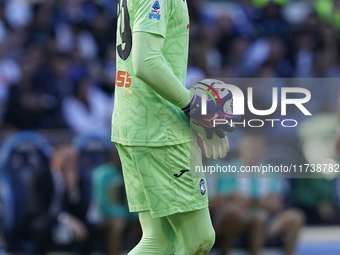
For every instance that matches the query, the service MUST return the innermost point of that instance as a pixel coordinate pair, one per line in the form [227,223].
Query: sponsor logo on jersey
[156,9]
[181,173]
[202,187]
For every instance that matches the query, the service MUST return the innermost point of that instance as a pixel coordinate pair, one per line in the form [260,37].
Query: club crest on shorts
[156,9]
[202,187]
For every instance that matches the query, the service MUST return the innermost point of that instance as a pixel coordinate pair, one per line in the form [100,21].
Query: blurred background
[61,187]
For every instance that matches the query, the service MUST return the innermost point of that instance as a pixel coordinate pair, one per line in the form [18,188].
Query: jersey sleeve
[152,16]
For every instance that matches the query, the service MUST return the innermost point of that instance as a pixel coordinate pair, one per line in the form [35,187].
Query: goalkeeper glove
[219,114]
[214,148]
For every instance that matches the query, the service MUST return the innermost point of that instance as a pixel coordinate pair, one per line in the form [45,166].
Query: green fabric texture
[152,56]
[150,182]
[181,234]
[158,238]
[148,65]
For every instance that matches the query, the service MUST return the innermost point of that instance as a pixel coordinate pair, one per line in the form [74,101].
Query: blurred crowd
[57,58]
[69,198]
[57,71]
[253,210]
[266,42]
[57,64]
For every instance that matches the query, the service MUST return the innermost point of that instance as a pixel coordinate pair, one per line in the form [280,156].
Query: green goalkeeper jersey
[141,117]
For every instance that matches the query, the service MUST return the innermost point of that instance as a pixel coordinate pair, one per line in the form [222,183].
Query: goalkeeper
[152,133]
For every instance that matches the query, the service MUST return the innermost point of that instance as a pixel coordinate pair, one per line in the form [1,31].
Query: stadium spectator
[271,21]
[59,208]
[109,193]
[228,213]
[33,104]
[89,110]
[254,205]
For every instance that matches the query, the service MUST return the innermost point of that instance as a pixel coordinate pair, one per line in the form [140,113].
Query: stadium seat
[94,151]
[21,155]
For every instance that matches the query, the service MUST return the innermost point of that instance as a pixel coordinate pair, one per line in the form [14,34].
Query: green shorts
[156,179]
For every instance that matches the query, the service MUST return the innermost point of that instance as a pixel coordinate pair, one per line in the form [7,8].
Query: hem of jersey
[141,143]
[181,209]
[138,208]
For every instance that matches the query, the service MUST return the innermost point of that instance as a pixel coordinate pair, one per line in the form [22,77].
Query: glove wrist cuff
[192,110]
[192,107]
